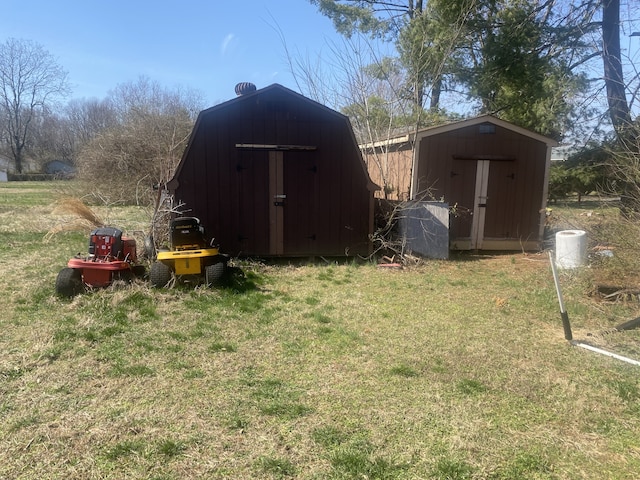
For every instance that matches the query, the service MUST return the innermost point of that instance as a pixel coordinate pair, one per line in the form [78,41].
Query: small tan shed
[494,176]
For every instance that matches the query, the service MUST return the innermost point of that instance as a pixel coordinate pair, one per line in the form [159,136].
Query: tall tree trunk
[436,90]
[17,149]
[618,106]
[613,77]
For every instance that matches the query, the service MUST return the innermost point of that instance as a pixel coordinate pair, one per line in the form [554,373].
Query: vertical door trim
[480,202]
[277,201]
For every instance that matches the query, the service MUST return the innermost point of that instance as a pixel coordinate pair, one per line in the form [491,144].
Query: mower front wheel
[214,273]
[159,275]
[69,282]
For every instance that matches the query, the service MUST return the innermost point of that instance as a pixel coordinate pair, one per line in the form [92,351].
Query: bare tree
[360,81]
[30,81]
[143,146]
[87,118]
[49,139]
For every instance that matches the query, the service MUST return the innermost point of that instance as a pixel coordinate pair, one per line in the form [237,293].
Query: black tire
[69,282]
[159,275]
[214,274]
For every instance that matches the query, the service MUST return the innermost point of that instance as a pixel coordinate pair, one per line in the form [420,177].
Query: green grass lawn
[453,369]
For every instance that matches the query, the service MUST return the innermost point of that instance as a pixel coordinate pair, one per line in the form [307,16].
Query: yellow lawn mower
[189,258]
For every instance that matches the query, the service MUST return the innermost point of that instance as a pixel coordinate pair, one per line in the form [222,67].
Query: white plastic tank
[571,248]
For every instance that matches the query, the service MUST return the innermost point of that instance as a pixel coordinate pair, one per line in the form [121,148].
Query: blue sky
[207,45]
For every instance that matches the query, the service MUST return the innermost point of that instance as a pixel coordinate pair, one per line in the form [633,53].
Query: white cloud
[226,42]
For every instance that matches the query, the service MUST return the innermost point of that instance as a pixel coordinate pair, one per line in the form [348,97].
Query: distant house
[493,175]
[59,168]
[5,167]
[272,173]
[562,152]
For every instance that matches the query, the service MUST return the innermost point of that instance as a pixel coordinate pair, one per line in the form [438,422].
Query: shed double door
[484,194]
[279,202]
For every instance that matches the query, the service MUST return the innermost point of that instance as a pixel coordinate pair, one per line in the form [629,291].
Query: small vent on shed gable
[243,88]
[485,128]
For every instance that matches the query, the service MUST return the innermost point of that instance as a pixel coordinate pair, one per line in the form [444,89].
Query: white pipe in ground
[604,352]
[567,326]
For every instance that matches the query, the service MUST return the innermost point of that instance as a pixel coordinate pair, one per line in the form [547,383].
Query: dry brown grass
[82,216]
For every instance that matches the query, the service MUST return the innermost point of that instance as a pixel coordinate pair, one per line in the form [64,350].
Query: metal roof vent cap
[245,87]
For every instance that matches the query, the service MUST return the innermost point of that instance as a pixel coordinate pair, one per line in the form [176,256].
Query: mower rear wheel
[159,275]
[214,273]
[69,282]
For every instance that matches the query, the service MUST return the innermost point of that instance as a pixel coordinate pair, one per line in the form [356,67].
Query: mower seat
[187,233]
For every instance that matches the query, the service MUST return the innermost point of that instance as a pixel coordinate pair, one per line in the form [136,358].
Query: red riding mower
[111,257]
[190,256]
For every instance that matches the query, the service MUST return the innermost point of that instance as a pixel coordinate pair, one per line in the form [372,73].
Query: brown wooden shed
[493,174]
[273,173]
